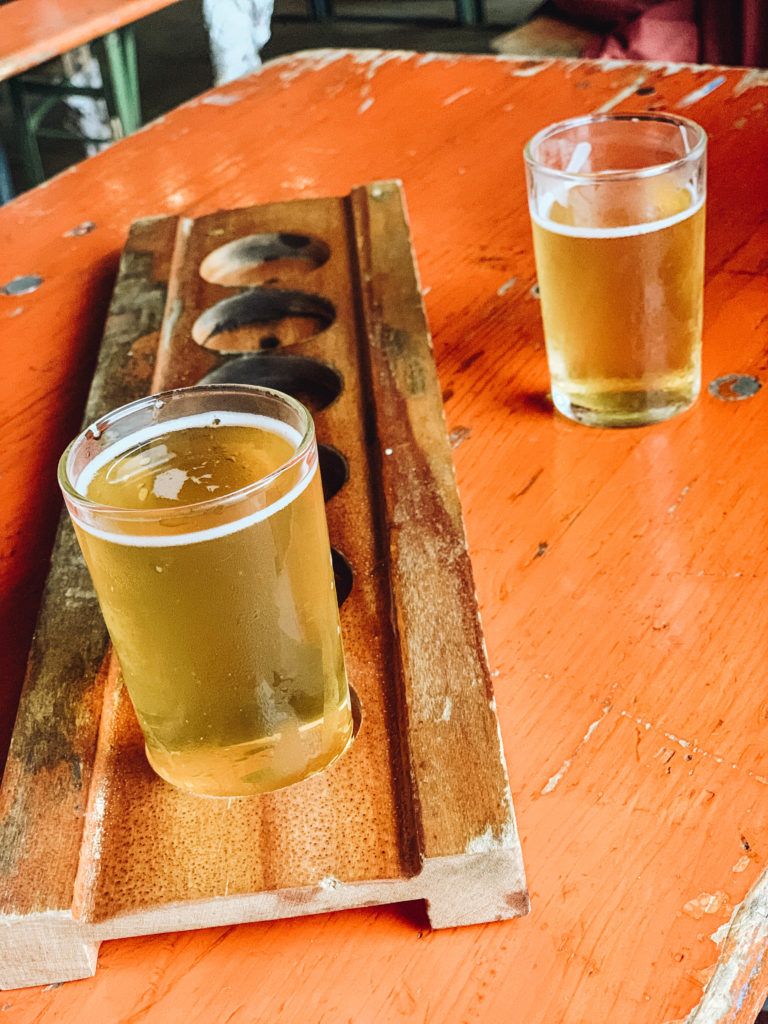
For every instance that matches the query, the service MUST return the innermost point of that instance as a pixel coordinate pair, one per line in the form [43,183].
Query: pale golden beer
[205,535]
[619,247]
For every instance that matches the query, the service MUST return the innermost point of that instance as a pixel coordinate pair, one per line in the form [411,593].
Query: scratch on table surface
[533,69]
[298,184]
[621,95]
[614,63]
[673,507]
[457,96]
[693,748]
[753,79]
[704,90]
[669,735]
[226,99]
[557,777]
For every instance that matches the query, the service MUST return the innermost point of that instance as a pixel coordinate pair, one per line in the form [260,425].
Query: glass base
[261,766]
[622,408]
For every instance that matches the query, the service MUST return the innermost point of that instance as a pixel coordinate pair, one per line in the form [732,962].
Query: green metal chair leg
[120,77]
[320,9]
[24,124]
[6,183]
[470,12]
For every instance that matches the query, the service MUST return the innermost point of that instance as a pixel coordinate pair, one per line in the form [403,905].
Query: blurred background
[174,63]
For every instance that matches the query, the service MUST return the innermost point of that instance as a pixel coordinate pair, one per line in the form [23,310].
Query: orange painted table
[621,574]
[34,31]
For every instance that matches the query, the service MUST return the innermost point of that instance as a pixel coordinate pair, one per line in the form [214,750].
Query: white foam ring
[618,232]
[208,419]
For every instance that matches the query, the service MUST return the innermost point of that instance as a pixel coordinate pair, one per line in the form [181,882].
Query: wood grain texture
[399,817]
[620,574]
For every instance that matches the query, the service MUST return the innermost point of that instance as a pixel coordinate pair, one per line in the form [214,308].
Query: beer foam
[626,231]
[207,419]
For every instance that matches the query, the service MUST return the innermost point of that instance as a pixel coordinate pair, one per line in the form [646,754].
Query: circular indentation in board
[257,258]
[311,382]
[242,323]
[334,469]
[343,575]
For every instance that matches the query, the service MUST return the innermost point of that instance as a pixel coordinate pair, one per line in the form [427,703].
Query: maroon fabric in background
[734,32]
[640,29]
[713,31]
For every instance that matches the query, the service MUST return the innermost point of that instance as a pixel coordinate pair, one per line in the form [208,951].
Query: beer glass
[200,516]
[617,208]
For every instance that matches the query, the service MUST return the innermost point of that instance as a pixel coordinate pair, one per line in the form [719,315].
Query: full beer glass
[200,516]
[617,207]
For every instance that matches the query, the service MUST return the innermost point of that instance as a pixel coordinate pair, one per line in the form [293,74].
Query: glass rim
[180,512]
[695,153]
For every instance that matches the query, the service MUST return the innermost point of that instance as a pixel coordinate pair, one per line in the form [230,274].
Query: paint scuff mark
[457,96]
[669,735]
[298,183]
[707,903]
[621,95]
[222,99]
[295,67]
[703,976]
[699,94]
[458,435]
[531,69]
[673,507]
[753,79]
[555,780]
[85,228]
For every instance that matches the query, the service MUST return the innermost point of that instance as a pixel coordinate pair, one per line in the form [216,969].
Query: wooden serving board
[318,298]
